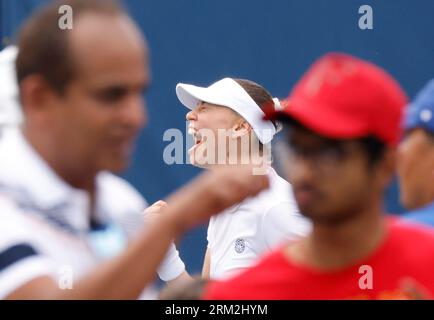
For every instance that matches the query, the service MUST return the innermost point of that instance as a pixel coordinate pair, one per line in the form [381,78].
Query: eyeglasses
[322,153]
[327,156]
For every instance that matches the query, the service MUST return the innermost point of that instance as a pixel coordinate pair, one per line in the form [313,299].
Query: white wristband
[172,265]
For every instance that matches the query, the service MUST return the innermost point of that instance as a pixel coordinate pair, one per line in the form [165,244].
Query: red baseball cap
[344,97]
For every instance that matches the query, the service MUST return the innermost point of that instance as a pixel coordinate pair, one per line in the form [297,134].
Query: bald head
[83,88]
[102,45]
[55,54]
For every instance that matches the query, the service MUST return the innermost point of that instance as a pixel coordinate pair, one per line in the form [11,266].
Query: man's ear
[35,92]
[388,165]
[241,128]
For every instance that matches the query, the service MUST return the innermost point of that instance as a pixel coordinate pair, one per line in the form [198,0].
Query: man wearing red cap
[342,123]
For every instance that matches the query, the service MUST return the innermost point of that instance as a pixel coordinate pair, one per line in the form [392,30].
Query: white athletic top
[242,233]
[44,222]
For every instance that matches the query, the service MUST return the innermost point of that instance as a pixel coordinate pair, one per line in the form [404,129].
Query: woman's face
[211,126]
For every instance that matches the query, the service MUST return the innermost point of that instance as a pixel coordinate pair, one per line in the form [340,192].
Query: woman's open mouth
[197,137]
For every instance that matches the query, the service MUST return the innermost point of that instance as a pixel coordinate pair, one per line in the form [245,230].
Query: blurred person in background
[221,116]
[343,125]
[66,232]
[416,158]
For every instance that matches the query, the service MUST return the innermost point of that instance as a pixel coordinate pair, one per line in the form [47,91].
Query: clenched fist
[154,211]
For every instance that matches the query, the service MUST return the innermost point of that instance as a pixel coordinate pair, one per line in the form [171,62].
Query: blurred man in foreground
[65,233]
[343,123]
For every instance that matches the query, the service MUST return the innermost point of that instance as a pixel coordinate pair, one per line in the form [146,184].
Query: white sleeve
[172,265]
[20,260]
[283,222]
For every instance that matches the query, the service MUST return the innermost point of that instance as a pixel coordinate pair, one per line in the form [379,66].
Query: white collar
[25,172]
[27,168]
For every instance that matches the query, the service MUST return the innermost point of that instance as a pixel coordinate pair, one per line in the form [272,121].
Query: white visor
[228,93]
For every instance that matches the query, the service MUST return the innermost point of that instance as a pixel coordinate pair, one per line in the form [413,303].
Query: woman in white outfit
[222,118]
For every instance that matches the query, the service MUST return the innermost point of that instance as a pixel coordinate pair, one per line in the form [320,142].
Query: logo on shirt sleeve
[240,245]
